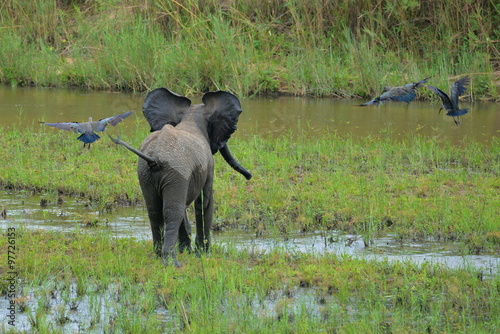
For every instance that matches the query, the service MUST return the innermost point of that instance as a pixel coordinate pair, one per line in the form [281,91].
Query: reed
[250,47]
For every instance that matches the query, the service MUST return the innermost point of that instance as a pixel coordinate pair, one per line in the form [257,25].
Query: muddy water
[265,116]
[73,215]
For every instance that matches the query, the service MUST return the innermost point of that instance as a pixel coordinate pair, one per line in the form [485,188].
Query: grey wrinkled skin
[176,165]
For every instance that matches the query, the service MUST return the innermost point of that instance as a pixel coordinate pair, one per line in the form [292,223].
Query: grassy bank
[350,48]
[413,187]
[82,282]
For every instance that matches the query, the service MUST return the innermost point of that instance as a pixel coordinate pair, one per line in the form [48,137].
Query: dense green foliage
[91,282]
[412,187]
[326,48]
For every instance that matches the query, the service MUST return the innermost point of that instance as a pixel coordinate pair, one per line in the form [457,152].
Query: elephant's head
[218,117]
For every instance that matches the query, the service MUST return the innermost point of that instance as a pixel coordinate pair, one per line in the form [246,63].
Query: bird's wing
[68,126]
[406,96]
[417,84]
[458,88]
[447,104]
[113,120]
[399,94]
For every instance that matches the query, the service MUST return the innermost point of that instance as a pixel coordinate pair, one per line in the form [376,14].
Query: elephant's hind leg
[185,235]
[173,214]
[155,215]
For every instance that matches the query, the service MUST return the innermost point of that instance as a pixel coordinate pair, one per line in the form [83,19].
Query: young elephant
[176,165]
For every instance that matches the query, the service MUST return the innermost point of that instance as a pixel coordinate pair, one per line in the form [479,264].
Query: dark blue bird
[450,103]
[88,129]
[406,93]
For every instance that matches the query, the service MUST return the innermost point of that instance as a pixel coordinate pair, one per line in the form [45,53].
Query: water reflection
[382,248]
[265,116]
[26,211]
[74,215]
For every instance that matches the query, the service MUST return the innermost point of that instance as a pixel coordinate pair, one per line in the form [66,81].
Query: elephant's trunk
[233,163]
[153,163]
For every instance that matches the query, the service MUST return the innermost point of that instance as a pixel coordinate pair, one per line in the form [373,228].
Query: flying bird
[406,93]
[88,129]
[450,103]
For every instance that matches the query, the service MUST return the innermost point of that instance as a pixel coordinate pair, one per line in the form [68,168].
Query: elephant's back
[179,150]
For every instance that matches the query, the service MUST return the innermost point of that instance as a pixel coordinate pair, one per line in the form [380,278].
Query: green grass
[315,47]
[411,187]
[119,286]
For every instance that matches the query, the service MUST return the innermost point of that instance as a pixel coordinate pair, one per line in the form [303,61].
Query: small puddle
[28,212]
[124,221]
[70,311]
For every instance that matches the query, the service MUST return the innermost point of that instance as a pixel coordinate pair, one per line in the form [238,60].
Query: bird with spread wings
[450,103]
[405,93]
[88,129]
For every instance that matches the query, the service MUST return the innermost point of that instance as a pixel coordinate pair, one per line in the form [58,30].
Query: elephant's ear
[164,107]
[224,109]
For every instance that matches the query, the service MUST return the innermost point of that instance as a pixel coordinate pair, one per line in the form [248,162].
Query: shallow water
[70,312]
[92,310]
[123,221]
[383,247]
[263,116]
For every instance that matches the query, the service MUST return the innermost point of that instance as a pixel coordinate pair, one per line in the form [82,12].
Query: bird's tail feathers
[88,137]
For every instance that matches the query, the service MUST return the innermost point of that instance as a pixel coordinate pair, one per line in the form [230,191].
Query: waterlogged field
[412,187]
[93,283]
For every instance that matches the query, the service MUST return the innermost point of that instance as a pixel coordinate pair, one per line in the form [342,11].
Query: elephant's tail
[152,162]
[233,163]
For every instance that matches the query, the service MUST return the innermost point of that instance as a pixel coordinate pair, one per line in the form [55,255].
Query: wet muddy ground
[35,212]
[74,312]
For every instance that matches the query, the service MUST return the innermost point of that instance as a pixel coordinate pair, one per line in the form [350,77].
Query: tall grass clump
[250,47]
